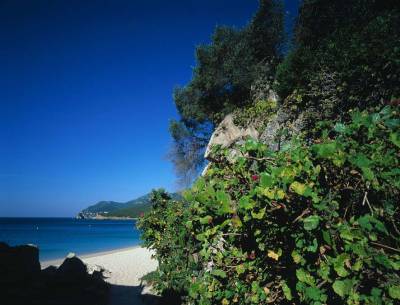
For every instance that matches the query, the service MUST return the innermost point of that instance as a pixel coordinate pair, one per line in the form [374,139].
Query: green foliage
[164,231]
[255,114]
[314,223]
[228,66]
[338,63]
[222,78]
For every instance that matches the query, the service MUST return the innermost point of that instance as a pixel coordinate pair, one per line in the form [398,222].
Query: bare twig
[365,200]
[305,212]
[384,246]
[270,160]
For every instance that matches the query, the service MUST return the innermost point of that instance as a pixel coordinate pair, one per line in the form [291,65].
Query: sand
[124,269]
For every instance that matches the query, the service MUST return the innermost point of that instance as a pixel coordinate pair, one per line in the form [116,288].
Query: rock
[20,262]
[227,134]
[273,134]
[49,272]
[71,255]
[72,268]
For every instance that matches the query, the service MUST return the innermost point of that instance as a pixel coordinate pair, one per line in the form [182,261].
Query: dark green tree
[345,55]
[226,68]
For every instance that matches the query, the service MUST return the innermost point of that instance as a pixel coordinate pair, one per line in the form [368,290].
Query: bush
[313,223]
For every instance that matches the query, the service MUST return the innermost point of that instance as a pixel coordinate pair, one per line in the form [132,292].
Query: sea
[57,237]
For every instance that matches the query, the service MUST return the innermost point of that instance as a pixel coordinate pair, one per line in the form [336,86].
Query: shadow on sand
[134,295]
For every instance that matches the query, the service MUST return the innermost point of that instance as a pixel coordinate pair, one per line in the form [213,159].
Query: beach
[124,269]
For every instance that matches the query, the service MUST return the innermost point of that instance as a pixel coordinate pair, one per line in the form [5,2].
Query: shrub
[313,223]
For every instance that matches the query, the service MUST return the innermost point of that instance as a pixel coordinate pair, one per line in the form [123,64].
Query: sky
[86,96]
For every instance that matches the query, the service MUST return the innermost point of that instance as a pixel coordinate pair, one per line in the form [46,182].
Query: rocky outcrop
[227,134]
[280,128]
[72,268]
[18,262]
[274,131]
[23,282]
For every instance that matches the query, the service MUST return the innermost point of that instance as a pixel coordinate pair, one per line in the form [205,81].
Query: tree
[344,56]
[226,68]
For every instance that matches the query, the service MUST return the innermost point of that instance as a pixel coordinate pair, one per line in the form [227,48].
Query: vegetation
[222,80]
[317,221]
[344,56]
[310,223]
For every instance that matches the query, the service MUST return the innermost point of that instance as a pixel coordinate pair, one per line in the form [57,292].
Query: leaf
[305,277]
[340,128]
[224,201]
[339,263]
[286,291]
[206,219]
[274,255]
[313,293]
[368,174]
[342,288]
[266,180]
[259,215]
[325,150]
[240,269]
[245,203]
[298,188]
[297,258]
[360,160]
[311,222]
[395,138]
[219,272]
[327,237]
[394,292]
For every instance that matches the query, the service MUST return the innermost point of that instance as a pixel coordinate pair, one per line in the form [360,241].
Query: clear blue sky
[86,95]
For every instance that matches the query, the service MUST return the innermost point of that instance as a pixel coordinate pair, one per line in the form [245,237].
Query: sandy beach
[124,268]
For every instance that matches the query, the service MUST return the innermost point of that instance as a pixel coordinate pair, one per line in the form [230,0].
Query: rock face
[18,262]
[227,134]
[274,131]
[23,282]
[72,268]
[280,128]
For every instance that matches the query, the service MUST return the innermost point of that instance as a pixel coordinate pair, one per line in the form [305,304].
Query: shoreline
[58,261]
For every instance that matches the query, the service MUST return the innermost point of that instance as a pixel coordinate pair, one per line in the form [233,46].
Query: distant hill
[113,209]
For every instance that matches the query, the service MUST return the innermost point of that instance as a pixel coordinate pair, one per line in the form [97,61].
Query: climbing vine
[316,222]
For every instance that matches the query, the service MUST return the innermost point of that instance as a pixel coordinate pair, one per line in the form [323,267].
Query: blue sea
[56,237]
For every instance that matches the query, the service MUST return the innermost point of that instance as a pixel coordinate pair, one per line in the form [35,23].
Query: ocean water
[56,237]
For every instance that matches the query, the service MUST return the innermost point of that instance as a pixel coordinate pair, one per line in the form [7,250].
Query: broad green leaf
[311,222]
[395,138]
[298,188]
[266,180]
[325,150]
[339,263]
[340,128]
[305,277]
[360,160]
[219,272]
[313,293]
[240,269]
[297,258]
[286,291]
[394,292]
[368,173]
[245,203]
[342,288]
[259,215]
[206,219]
[224,201]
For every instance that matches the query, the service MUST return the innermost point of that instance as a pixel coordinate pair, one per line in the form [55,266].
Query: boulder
[227,134]
[72,268]
[20,262]
[280,129]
